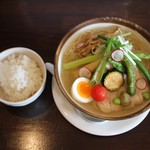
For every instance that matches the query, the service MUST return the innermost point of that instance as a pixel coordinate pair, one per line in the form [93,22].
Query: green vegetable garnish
[103,37]
[115,42]
[116,101]
[81,61]
[143,56]
[100,70]
[118,65]
[143,69]
[146,95]
[130,77]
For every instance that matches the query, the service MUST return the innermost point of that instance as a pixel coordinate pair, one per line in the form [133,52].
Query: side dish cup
[68,38]
[33,56]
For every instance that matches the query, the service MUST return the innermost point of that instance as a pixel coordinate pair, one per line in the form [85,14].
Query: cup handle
[50,67]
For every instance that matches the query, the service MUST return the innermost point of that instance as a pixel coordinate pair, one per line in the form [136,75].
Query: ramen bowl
[65,78]
[26,74]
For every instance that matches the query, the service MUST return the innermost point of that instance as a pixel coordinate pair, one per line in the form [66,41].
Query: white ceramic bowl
[32,54]
[68,38]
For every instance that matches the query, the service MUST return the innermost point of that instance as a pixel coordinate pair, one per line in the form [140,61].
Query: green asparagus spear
[100,70]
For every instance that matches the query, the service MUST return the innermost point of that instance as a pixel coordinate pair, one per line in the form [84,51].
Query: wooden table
[40,25]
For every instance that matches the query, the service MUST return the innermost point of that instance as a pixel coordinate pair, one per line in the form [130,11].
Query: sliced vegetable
[130,77]
[100,70]
[99,93]
[117,55]
[141,83]
[146,95]
[118,65]
[113,80]
[119,42]
[125,99]
[81,61]
[116,101]
[85,72]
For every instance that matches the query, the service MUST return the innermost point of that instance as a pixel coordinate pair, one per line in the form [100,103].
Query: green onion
[103,37]
[126,34]
[129,57]
[143,56]
[131,53]
[81,61]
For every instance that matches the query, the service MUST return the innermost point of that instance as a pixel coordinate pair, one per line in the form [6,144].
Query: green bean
[143,69]
[130,77]
[118,65]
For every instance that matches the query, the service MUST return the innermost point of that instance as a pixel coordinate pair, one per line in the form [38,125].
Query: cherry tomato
[99,93]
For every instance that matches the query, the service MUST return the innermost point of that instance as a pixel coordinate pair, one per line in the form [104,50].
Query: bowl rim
[115,20]
[44,72]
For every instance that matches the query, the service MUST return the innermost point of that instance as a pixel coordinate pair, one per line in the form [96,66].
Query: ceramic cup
[32,55]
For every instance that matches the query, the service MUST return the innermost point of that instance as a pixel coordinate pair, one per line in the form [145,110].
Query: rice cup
[68,38]
[33,56]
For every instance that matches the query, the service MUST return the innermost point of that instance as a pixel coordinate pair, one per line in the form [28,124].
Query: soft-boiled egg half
[81,90]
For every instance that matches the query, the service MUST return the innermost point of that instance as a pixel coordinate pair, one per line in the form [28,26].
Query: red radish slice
[141,83]
[117,55]
[85,72]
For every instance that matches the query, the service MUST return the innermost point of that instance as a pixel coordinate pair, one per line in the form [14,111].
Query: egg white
[75,93]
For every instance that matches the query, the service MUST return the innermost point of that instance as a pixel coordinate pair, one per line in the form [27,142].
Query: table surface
[40,25]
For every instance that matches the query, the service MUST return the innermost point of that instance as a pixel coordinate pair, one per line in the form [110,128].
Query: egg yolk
[84,89]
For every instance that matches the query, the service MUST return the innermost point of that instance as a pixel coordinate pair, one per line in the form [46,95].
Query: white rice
[20,77]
